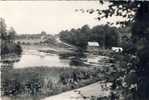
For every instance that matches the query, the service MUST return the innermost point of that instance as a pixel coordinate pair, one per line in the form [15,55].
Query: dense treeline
[7,37]
[105,35]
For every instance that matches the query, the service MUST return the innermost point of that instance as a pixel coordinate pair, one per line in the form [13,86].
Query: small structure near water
[93,47]
[93,44]
[117,49]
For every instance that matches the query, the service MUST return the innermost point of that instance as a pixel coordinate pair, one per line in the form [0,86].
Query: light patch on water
[31,60]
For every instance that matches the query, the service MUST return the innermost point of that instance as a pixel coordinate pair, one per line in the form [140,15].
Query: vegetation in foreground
[133,84]
[44,81]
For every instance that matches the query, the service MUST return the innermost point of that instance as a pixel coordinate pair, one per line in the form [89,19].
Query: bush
[18,49]
[10,48]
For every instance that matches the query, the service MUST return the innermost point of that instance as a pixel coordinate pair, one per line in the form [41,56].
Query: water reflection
[29,60]
[35,58]
[40,59]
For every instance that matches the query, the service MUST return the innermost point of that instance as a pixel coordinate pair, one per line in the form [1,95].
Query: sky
[32,17]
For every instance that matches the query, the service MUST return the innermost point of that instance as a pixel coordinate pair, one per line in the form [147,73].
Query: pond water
[34,58]
[41,59]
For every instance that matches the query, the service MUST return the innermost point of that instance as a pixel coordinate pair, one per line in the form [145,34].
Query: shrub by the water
[10,48]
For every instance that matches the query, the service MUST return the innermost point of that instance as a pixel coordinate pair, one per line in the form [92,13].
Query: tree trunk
[140,36]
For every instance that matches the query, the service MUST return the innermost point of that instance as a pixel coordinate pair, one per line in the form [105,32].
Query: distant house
[117,49]
[93,46]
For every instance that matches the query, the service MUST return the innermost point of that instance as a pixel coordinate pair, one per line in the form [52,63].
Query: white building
[117,49]
[93,46]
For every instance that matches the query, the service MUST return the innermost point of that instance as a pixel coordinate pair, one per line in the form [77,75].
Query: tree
[105,35]
[140,34]
[111,37]
[77,37]
[136,13]
[86,31]
[3,32]
[11,35]
[43,33]
[98,34]
[8,46]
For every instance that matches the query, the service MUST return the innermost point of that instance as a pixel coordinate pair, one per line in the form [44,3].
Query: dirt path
[84,93]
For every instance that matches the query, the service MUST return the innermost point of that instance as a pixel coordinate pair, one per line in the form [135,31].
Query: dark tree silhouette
[7,43]
[137,13]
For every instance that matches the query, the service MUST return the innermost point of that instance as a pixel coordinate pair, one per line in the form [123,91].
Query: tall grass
[44,81]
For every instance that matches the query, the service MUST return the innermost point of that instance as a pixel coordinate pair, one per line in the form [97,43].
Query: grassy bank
[44,81]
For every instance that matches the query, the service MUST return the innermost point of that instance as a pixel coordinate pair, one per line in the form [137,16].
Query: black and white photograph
[74,49]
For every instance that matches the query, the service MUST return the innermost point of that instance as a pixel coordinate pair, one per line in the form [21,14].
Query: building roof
[93,44]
